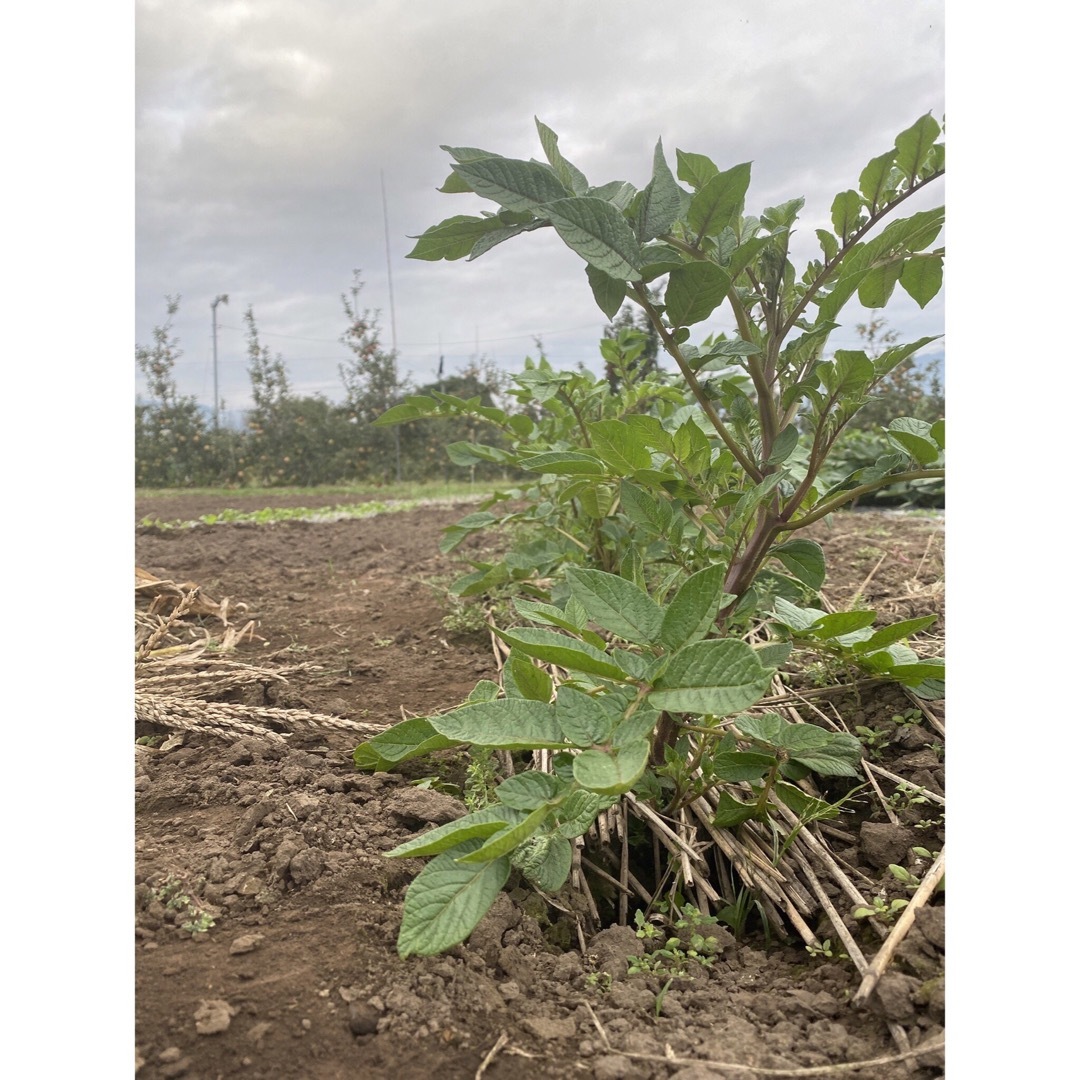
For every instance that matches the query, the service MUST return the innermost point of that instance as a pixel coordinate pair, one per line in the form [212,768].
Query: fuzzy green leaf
[730,813]
[715,677]
[502,843]
[614,773]
[914,145]
[565,463]
[692,612]
[571,176]
[889,635]
[585,720]
[921,278]
[876,180]
[447,901]
[656,207]
[847,213]
[694,291]
[617,605]
[506,724]
[876,288]
[559,649]
[803,559]
[737,766]
[608,292]
[480,823]
[453,238]
[551,874]
[530,681]
[517,185]
[599,233]
[620,445]
[402,742]
[694,169]
[720,201]
[829,753]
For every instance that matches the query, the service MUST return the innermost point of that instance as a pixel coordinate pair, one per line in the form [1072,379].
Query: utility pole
[393,319]
[222,299]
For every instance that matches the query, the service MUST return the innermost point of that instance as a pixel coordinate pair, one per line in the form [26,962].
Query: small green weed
[885,910]
[173,895]
[826,951]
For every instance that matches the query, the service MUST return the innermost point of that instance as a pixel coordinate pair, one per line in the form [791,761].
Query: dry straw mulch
[182,671]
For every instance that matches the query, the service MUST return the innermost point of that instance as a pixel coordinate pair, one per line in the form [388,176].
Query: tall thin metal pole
[222,299]
[393,318]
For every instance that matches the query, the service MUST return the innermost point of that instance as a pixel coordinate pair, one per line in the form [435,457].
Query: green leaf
[738,766]
[546,613]
[921,278]
[693,610]
[875,181]
[402,742]
[571,176]
[892,358]
[720,201]
[453,238]
[694,169]
[765,727]
[579,812]
[913,436]
[614,773]
[829,753]
[794,617]
[532,682]
[470,453]
[585,720]
[806,807]
[876,288]
[889,635]
[694,291]
[914,145]
[804,560]
[506,724]
[559,649]
[484,690]
[608,292]
[551,874]
[656,208]
[620,445]
[730,813]
[839,623]
[641,508]
[502,843]
[830,246]
[480,823]
[565,463]
[692,447]
[715,677]
[497,236]
[599,233]
[617,605]
[517,185]
[784,445]
[850,373]
[847,213]
[447,901]
[411,408]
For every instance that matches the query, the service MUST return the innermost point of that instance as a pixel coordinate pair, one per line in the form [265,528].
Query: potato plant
[679,506]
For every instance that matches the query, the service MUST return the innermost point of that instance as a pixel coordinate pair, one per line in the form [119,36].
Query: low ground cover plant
[662,582]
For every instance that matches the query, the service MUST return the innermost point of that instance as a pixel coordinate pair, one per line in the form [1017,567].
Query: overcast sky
[266,132]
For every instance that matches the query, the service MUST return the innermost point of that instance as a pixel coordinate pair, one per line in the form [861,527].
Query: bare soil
[282,847]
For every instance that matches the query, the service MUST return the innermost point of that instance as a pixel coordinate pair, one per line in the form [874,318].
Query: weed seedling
[825,950]
[882,909]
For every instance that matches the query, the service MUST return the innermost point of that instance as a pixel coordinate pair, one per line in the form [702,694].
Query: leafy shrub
[667,515]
